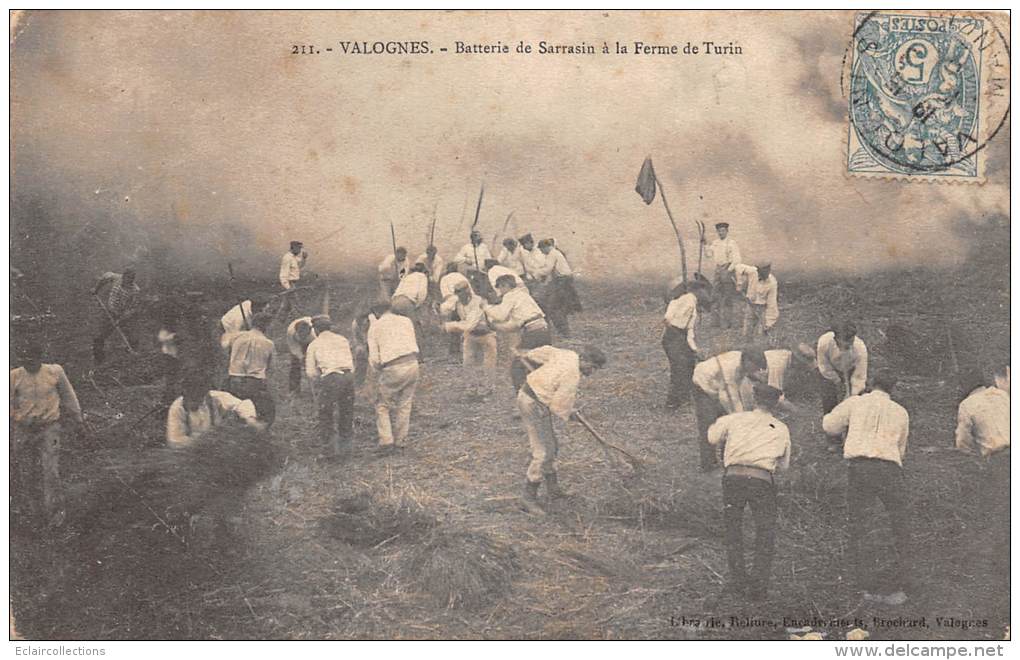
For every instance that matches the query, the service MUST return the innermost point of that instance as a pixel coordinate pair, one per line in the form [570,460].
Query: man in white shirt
[517,311]
[678,340]
[200,409]
[447,286]
[391,270]
[550,389]
[531,257]
[251,356]
[299,335]
[478,339]
[510,257]
[726,255]
[41,397]
[982,422]
[876,429]
[508,340]
[724,384]
[434,264]
[393,354]
[755,444]
[559,297]
[472,256]
[414,286]
[329,365]
[291,264]
[843,364]
[761,298]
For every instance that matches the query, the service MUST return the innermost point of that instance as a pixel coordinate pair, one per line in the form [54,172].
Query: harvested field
[432,542]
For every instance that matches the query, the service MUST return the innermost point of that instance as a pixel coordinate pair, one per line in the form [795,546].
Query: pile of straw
[463,569]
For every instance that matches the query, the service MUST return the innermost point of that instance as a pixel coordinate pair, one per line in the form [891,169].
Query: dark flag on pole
[646,182]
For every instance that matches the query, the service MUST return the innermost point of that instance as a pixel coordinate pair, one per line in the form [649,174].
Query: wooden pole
[396,268]
[680,241]
[478,210]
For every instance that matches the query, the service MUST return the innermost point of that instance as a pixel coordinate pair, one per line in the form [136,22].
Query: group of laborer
[736,395]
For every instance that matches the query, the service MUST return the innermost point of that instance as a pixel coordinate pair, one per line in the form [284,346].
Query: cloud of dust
[193,139]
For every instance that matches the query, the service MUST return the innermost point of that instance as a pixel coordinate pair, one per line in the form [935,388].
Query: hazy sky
[202,131]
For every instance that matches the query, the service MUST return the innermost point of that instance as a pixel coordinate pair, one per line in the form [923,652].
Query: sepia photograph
[510,325]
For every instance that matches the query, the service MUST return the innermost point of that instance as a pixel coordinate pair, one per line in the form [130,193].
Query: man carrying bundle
[761,296]
[200,409]
[678,340]
[393,354]
[754,444]
[478,339]
[843,364]
[300,334]
[726,255]
[41,395]
[982,422]
[517,311]
[251,356]
[390,274]
[550,389]
[724,384]
[119,310]
[329,365]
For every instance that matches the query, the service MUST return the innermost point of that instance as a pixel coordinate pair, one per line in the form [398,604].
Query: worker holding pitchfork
[118,310]
[550,388]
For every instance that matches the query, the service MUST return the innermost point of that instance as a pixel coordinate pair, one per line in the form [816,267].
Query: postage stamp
[918,97]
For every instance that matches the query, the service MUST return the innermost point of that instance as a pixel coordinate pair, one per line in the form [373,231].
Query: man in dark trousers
[518,311]
[755,444]
[876,430]
[329,364]
[678,340]
[251,356]
[120,309]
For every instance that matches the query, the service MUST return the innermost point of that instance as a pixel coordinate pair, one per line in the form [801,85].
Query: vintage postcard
[510,325]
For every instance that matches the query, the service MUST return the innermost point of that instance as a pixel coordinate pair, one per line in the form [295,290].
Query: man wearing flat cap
[291,264]
[726,255]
